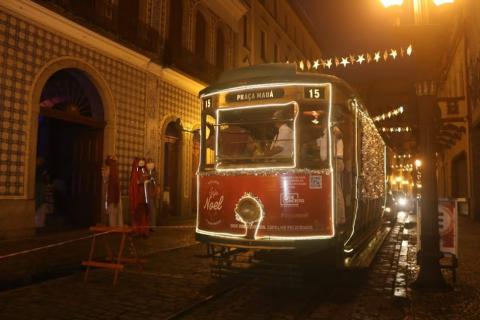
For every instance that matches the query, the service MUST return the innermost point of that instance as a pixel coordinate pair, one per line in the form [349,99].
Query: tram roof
[269,73]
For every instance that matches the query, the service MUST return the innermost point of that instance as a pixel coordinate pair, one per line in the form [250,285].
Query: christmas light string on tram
[332,179]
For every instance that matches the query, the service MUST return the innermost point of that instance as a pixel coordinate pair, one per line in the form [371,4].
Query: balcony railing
[122,26]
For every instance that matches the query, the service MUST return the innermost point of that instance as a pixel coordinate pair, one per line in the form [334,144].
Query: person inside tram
[281,146]
[234,141]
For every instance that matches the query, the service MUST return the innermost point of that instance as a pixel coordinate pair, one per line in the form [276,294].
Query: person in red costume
[139,197]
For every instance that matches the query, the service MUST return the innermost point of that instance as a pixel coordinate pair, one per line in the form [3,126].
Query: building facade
[472,53]
[459,101]
[85,79]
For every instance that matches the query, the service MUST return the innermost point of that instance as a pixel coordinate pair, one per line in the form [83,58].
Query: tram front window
[255,137]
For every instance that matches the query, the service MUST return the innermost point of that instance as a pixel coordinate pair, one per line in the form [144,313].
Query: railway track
[188,310]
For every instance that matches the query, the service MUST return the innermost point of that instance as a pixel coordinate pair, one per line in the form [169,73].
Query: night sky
[349,26]
[345,27]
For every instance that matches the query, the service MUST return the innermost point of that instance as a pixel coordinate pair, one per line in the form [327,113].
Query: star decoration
[385,55]
[308,65]
[393,53]
[323,63]
[329,63]
[409,50]
[344,62]
[361,58]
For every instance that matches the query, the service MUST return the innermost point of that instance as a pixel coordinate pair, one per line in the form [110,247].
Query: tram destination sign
[257,94]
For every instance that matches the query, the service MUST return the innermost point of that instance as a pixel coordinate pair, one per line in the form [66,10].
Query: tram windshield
[256,137]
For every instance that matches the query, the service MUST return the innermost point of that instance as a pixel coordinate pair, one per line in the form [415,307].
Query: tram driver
[282,144]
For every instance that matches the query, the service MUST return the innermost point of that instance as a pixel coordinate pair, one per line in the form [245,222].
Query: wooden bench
[113,261]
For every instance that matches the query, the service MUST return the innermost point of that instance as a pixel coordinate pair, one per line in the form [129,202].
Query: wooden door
[86,184]
[170,184]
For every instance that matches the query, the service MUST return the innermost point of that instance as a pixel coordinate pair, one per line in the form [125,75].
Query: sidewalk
[463,302]
[65,259]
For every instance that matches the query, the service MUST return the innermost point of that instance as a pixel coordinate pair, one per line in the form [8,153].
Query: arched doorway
[70,150]
[171,164]
[195,162]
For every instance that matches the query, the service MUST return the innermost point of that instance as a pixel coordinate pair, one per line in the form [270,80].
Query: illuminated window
[255,137]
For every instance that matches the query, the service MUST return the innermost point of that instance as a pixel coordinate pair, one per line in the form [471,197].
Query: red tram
[290,161]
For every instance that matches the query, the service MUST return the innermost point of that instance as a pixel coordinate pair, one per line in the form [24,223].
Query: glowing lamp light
[418,163]
[391,3]
[402,201]
[441,2]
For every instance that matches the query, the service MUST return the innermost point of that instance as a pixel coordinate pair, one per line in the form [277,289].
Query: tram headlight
[249,209]
[402,201]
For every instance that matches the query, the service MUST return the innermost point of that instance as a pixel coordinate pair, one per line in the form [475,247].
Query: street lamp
[428,258]
[441,2]
[391,3]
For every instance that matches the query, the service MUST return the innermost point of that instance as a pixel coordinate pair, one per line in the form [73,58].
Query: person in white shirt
[282,145]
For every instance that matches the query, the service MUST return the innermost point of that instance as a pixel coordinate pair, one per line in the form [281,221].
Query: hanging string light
[353,59]
[402,156]
[396,129]
[387,115]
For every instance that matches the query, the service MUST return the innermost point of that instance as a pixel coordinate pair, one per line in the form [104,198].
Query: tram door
[170,171]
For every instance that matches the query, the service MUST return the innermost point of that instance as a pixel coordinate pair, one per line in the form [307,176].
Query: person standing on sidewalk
[153,193]
[138,195]
[113,204]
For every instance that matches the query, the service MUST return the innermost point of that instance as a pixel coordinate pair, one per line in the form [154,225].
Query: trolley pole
[429,41]
[428,258]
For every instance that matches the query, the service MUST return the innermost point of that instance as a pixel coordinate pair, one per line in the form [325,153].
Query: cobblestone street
[175,279]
